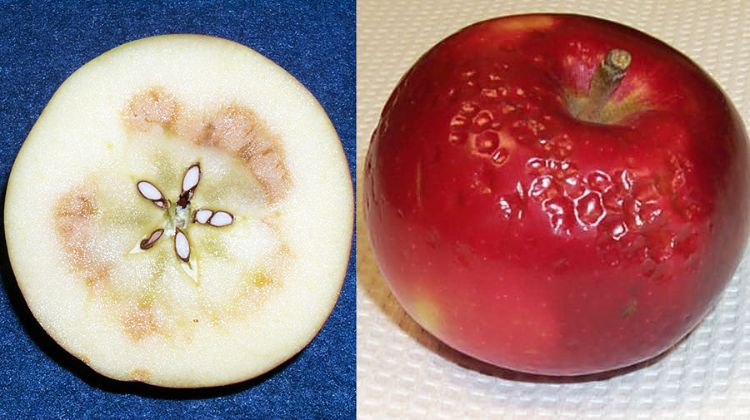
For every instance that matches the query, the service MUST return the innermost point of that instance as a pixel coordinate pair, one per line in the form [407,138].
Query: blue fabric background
[41,44]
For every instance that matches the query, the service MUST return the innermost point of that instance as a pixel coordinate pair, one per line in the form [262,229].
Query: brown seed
[152,238]
[189,182]
[151,193]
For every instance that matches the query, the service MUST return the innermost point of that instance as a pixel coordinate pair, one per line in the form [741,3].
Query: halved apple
[181,213]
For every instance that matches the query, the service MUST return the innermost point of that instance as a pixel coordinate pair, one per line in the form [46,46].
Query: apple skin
[535,241]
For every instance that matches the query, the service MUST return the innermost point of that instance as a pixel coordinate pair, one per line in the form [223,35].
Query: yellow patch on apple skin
[427,313]
[236,129]
[633,102]
[520,24]
[619,107]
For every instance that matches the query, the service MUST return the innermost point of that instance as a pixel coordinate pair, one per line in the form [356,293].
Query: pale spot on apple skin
[629,309]
[524,23]
[427,313]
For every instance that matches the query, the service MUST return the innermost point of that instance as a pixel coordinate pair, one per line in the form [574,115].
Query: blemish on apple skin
[522,24]
[629,309]
[427,313]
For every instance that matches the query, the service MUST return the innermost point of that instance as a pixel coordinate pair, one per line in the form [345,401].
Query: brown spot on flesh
[140,321]
[235,129]
[73,216]
[96,276]
[267,163]
[141,375]
[153,108]
[258,284]
[239,131]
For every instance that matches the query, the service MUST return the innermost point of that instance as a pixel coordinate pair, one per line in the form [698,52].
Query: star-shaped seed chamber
[178,218]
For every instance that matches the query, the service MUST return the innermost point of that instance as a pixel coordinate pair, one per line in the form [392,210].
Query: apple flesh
[540,223]
[181,213]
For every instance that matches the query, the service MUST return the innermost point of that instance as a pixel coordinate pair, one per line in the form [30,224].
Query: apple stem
[605,81]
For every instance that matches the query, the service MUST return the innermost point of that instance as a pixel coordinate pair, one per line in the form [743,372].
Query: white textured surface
[402,372]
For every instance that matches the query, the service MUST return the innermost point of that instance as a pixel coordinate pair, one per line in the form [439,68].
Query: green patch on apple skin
[629,309]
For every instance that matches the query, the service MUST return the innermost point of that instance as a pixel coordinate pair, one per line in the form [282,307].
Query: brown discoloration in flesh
[257,286]
[73,218]
[141,375]
[140,321]
[234,129]
[153,108]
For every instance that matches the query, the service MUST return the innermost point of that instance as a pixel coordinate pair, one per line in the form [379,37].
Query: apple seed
[177,221]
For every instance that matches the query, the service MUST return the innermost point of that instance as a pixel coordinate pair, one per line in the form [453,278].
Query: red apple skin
[527,238]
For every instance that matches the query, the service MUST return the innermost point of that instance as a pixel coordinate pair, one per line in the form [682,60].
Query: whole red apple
[557,194]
